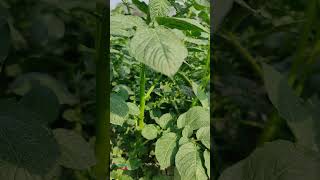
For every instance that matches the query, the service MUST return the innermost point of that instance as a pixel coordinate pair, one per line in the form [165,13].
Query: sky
[113,3]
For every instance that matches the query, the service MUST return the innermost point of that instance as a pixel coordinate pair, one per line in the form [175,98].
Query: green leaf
[133,109]
[165,150]
[181,121]
[27,148]
[76,153]
[183,140]
[122,24]
[203,134]
[291,108]
[206,155]
[4,39]
[159,49]
[24,83]
[142,6]
[189,163]
[197,117]
[150,132]
[34,102]
[164,120]
[118,110]
[278,160]
[182,24]
[220,10]
[187,131]
[159,8]
[201,95]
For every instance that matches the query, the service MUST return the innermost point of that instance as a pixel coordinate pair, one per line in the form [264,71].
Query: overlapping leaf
[166,148]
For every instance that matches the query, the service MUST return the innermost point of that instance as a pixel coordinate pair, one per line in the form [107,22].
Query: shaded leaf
[166,148]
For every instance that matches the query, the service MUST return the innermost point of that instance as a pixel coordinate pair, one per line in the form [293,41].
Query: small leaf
[150,132]
[201,95]
[133,109]
[118,110]
[182,24]
[203,134]
[76,152]
[189,164]
[181,121]
[187,131]
[122,24]
[164,120]
[159,49]
[166,148]
[159,8]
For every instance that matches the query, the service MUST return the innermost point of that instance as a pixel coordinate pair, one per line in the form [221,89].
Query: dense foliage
[160,77]
[266,88]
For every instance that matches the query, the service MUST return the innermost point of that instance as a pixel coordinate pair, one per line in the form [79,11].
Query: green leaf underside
[159,49]
[278,160]
[182,24]
[118,110]
[159,8]
[150,132]
[203,134]
[26,147]
[291,108]
[76,153]
[166,147]
[189,163]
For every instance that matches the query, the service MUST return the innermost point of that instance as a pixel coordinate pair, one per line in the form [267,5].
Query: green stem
[142,95]
[102,144]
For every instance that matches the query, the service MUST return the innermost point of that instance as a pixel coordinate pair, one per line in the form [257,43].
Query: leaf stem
[142,95]
[102,144]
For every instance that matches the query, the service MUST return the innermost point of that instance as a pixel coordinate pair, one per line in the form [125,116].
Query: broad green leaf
[25,82]
[122,25]
[4,39]
[189,164]
[27,148]
[182,24]
[197,117]
[150,132]
[166,148]
[201,95]
[206,155]
[203,134]
[34,102]
[159,8]
[183,140]
[164,120]
[159,49]
[291,108]
[76,153]
[118,110]
[220,10]
[278,160]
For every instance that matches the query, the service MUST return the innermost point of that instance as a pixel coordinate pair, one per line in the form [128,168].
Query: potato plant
[160,81]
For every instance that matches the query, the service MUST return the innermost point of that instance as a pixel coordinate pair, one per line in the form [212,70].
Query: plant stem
[142,95]
[102,144]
